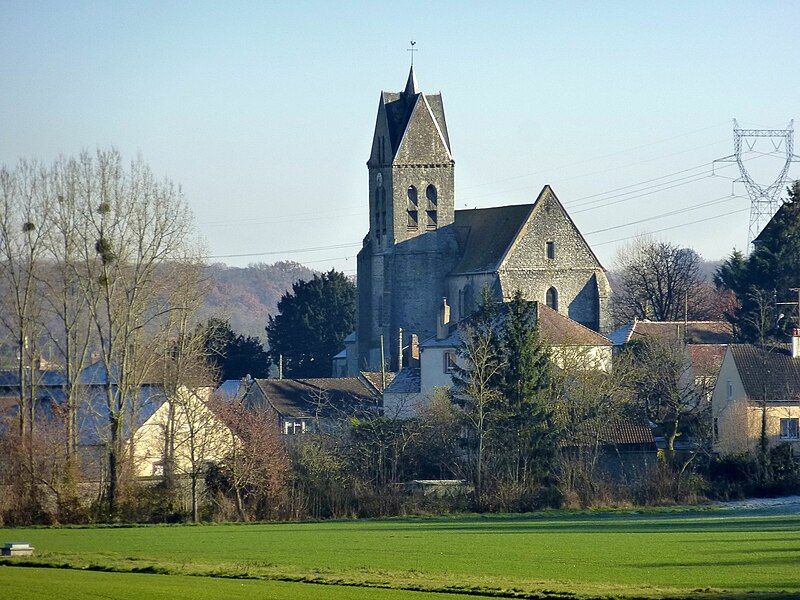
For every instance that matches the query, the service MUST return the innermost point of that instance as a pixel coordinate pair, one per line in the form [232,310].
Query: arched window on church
[412,195]
[551,298]
[383,210]
[377,211]
[430,193]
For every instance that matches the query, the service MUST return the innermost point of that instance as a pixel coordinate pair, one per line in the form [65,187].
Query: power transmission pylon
[765,200]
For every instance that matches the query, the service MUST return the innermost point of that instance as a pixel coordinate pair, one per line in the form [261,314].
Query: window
[413,220]
[431,219]
[716,429]
[431,195]
[449,362]
[383,210]
[730,389]
[551,298]
[551,250]
[412,195]
[294,427]
[790,429]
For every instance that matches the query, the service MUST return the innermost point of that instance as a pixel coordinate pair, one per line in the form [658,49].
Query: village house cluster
[422,271]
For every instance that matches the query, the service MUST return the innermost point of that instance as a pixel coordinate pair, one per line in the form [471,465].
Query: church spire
[411,85]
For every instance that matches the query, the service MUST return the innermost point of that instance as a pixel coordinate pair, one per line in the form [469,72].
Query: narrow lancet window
[551,299]
[430,193]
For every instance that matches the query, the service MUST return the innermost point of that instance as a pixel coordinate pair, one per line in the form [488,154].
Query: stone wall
[575,273]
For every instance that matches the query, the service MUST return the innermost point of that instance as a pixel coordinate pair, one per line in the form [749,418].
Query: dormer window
[551,250]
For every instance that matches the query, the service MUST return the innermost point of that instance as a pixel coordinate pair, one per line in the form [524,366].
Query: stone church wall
[574,272]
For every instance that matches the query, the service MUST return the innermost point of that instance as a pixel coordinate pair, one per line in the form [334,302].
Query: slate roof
[10,378]
[302,398]
[484,235]
[233,388]
[400,105]
[770,373]
[696,332]
[407,381]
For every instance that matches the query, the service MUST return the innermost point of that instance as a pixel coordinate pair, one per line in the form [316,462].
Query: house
[188,428]
[705,343]
[144,414]
[757,389]
[308,405]
[570,343]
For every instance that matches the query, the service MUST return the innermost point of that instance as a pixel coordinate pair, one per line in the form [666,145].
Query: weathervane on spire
[412,50]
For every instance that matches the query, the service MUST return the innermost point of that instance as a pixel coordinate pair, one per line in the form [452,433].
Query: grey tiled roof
[769,374]
[305,397]
[400,105]
[484,235]
[695,332]
[407,381]
[617,432]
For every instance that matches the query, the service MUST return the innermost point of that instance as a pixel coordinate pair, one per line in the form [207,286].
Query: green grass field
[660,554]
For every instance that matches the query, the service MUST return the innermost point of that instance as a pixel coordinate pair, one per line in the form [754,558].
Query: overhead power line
[584,161]
[292,251]
[630,237]
[720,200]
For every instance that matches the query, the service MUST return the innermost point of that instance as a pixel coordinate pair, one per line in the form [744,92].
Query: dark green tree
[766,276]
[234,355]
[312,322]
[502,386]
[526,426]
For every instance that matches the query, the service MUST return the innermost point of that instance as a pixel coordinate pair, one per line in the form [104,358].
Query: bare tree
[658,281]
[67,309]
[24,219]
[135,224]
[257,464]
[662,378]
[476,394]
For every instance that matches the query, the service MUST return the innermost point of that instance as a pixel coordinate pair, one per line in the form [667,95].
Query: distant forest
[245,296]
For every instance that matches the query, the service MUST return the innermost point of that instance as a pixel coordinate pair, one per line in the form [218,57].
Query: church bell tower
[411,202]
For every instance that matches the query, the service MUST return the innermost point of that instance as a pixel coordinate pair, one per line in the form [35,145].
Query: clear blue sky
[264,113]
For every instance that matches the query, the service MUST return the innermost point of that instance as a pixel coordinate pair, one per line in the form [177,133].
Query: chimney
[796,342]
[413,355]
[442,325]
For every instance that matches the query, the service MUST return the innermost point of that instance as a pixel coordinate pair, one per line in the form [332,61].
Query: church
[420,250]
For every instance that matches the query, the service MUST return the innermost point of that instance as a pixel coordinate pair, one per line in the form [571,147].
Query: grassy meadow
[612,554]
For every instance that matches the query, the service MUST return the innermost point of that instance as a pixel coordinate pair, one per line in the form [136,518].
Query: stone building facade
[419,249]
